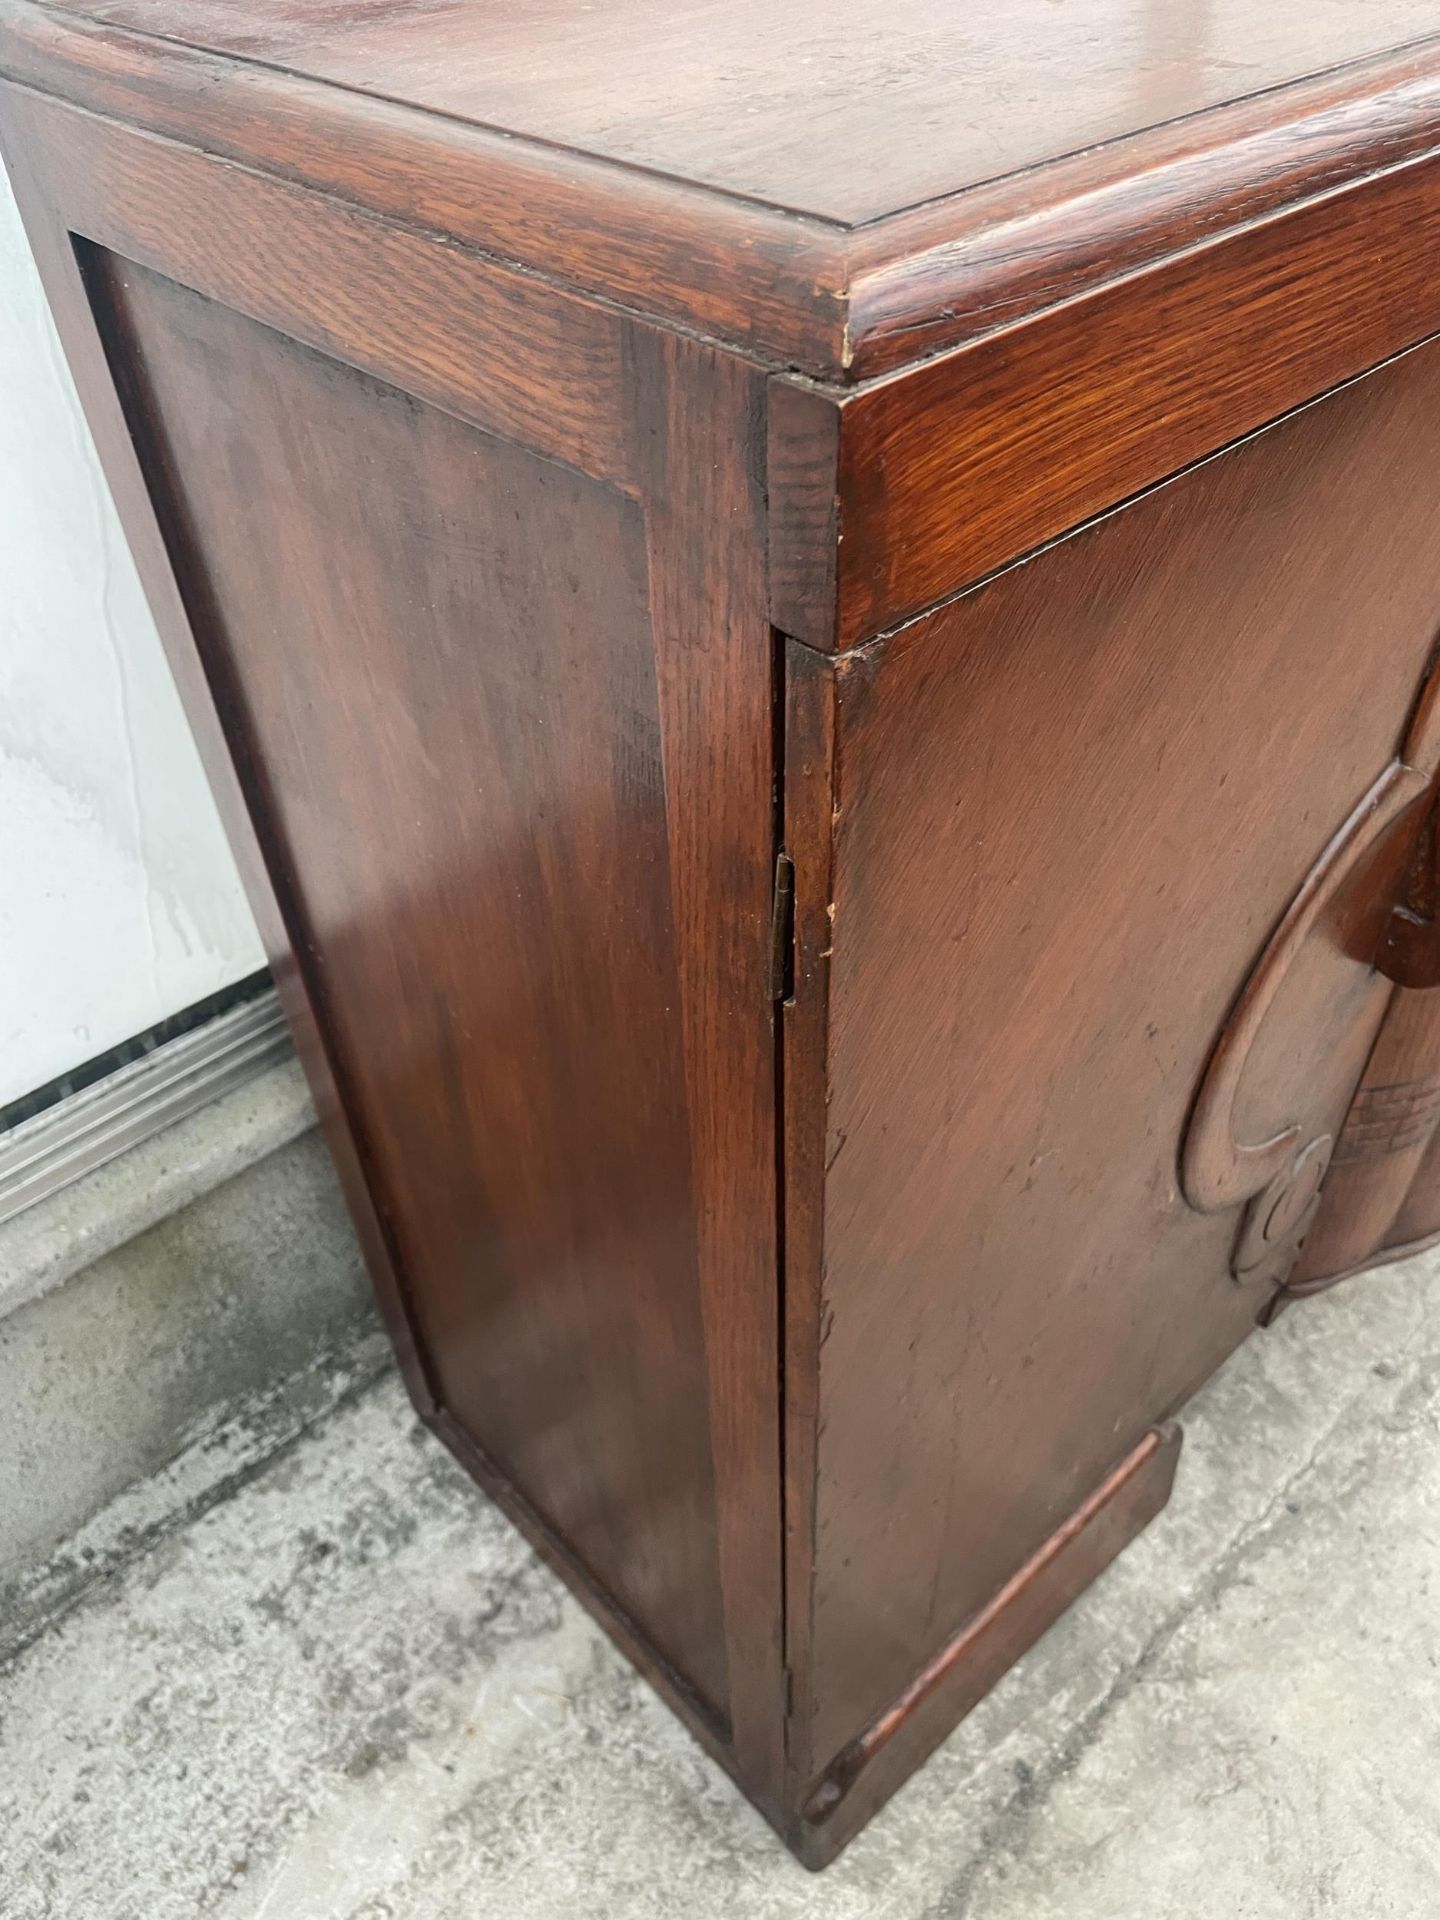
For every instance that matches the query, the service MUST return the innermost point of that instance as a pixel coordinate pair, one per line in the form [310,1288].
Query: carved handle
[1216,1169]
[1278,1179]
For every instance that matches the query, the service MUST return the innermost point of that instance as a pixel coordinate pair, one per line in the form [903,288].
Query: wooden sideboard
[814,631]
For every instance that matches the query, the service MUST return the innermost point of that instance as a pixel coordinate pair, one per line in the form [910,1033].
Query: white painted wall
[119,903]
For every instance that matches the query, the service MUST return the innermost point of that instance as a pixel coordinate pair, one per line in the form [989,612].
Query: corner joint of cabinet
[802,465]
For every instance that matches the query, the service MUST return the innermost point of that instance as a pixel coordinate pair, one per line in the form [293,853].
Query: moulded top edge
[837,196]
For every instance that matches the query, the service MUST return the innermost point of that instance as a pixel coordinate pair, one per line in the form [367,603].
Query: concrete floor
[348,1692]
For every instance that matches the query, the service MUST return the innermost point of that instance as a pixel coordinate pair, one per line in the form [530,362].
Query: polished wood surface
[530,489]
[445,326]
[937,478]
[787,105]
[818,807]
[1195,124]
[476,836]
[1068,811]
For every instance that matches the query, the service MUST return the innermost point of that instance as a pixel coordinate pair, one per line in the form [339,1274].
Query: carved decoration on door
[1352,920]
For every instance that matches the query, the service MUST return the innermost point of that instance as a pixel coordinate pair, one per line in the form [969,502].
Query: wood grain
[697,423]
[769,283]
[808,760]
[1069,809]
[457,331]
[913,101]
[819,245]
[1377,1199]
[950,471]
[936,275]
[386,721]
[1381,1199]
[563,497]
[52,243]
[458,750]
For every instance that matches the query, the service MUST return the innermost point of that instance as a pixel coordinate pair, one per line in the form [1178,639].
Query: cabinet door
[1070,809]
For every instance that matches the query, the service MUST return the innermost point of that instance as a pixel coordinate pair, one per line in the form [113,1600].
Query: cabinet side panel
[434,658]
[1071,807]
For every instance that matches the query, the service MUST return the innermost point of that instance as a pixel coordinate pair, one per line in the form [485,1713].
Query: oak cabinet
[833,739]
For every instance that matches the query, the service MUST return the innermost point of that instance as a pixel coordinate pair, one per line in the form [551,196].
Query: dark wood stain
[462,773]
[809,235]
[1069,808]
[441,324]
[774,104]
[577,510]
[434,598]
[865,1773]
[947,472]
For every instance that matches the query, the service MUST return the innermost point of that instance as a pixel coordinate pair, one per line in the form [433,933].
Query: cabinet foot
[865,1773]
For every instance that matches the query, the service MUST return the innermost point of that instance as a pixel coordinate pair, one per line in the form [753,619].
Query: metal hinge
[782,929]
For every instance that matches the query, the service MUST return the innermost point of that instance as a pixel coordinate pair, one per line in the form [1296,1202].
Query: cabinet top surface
[898,173]
[844,112]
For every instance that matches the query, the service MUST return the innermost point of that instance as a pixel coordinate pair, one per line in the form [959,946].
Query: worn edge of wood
[864,1775]
[828,495]
[810,749]
[916,286]
[1387,1256]
[791,288]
